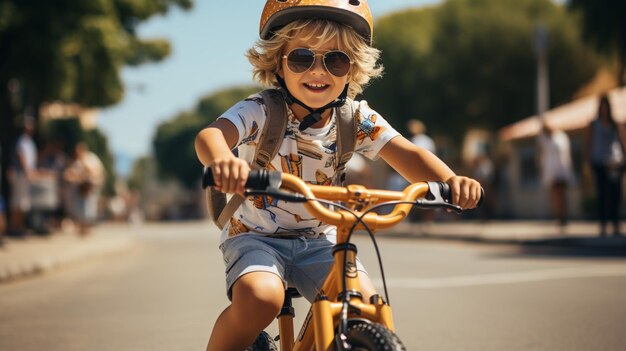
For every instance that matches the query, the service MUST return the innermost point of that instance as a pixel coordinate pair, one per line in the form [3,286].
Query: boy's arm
[213,146]
[418,164]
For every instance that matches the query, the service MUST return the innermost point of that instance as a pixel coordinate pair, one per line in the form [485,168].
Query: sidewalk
[527,232]
[37,255]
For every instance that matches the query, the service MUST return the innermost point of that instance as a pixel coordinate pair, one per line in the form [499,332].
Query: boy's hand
[466,191]
[230,174]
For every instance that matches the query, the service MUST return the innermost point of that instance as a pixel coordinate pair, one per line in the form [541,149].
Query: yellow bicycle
[340,319]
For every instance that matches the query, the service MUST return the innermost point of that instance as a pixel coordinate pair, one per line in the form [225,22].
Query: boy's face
[316,87]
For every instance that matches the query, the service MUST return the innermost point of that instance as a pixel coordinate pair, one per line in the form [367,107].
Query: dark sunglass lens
[300,60]
[337,63]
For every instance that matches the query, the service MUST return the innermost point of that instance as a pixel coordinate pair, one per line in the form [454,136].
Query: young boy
[318,52]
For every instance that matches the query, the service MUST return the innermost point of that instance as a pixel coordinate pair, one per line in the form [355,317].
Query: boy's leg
[257,298]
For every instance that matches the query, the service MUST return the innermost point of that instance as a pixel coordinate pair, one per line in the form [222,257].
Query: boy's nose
[318,65]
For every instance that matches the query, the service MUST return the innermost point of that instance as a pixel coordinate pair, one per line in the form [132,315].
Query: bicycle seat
[292,292]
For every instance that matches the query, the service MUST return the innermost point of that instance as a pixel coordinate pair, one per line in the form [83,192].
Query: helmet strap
[315,115]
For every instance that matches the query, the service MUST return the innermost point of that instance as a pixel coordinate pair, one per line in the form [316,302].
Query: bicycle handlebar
[422,194]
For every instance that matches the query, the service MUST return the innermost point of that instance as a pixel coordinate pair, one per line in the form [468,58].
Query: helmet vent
[354,2]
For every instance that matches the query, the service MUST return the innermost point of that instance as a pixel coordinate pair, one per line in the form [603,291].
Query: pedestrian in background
[419,138]
[21,172]
[604,153]
[556,167]
[484,172]
[52,162]
[85,177]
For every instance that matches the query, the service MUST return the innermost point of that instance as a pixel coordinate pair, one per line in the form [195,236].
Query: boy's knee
[262,293]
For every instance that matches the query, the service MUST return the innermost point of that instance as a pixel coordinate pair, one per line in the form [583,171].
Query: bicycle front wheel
[263,342]
[373,337]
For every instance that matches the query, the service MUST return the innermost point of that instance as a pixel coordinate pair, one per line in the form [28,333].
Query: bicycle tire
[263,342]
[373,337]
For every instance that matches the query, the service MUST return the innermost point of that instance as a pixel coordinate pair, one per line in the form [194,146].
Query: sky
[208,45]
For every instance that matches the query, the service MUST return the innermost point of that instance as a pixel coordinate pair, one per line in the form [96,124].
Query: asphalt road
[166,293]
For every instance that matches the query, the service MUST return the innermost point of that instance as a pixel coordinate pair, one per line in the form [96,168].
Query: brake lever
[435,199]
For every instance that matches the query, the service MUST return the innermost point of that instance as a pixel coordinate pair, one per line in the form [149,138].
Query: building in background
[523,193]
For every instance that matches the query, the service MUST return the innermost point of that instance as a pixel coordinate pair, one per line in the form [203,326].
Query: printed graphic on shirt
[253,134]
[309,149]
[367,127]
[291,164]
[310,155]
[263,202]
[322,179]
[236,227]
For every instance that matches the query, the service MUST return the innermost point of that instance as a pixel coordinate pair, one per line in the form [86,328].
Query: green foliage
[66,132]
[174,141]
[73,50]
[471,63]
[139,173]
[148,50]
[604,26]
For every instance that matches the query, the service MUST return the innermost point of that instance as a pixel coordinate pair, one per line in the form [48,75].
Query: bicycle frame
[318,329]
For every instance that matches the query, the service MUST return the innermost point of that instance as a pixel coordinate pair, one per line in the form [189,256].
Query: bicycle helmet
[278,13]
[354,13]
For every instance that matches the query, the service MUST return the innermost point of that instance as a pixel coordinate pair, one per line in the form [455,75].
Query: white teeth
[312,85]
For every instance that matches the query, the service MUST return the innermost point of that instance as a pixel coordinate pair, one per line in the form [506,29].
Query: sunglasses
[336,62]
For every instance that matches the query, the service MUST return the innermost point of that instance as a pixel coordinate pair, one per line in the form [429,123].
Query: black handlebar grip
[446,193]
[257,179]
[482,197]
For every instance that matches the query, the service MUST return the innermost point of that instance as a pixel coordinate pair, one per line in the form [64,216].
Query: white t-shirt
[309,154]
[424,141]
[556,161]
[27,149]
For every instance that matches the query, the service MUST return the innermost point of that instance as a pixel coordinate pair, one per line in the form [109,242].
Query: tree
[73,50]
[70,51]
[174,141]
[604,26]
[470,63]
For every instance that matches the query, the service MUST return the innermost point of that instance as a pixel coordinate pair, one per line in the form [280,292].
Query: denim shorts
[300,262]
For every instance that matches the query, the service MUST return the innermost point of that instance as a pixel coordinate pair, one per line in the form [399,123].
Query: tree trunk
[622,71]
[8,135]
[622,64]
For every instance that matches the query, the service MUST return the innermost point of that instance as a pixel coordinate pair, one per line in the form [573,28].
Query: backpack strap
[273,130]
[269,143]
[346,137]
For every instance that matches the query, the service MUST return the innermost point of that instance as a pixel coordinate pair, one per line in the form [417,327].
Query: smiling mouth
[316,87]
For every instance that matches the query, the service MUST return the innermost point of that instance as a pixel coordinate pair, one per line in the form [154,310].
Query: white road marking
[504,278]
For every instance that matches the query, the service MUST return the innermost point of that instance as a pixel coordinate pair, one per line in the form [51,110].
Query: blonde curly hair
[266,55]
